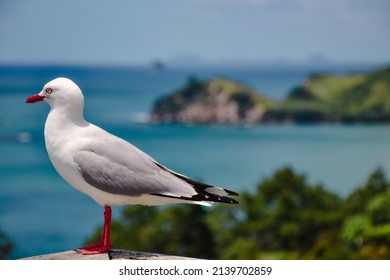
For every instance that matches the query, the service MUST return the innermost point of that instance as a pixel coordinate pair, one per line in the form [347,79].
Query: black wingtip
[201,188]
[229,192]
[203,197]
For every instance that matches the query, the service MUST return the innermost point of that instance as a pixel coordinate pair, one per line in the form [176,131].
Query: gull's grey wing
[117,167]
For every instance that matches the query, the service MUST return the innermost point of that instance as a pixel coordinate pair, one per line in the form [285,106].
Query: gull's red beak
[34,98]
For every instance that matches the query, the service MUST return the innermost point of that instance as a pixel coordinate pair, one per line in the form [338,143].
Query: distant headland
[323,97]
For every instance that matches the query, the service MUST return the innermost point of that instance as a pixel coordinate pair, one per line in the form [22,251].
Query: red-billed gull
[109,169]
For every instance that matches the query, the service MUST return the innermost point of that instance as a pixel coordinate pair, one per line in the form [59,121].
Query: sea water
[43,214]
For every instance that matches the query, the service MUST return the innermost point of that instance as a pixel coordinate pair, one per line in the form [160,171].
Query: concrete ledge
[113,254]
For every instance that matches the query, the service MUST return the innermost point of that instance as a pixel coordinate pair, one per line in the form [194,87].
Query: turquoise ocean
[41,213]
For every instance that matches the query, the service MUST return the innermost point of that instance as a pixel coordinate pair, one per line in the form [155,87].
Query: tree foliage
[285,217]
[367,224]
[6,245]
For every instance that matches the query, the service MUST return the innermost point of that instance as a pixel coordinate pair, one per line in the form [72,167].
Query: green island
[325,97]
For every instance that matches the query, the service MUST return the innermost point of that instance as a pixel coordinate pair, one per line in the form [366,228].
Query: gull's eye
[48,90]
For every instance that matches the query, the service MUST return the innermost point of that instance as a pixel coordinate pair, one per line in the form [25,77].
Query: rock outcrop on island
[361,97]
[218,100]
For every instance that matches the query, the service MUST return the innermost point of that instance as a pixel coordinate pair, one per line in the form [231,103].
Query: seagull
[107,168]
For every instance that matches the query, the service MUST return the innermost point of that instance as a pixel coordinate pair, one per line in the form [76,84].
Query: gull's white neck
[60,125]
[66,116]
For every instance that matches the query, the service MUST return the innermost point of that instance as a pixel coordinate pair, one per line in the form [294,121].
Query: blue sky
[208,31]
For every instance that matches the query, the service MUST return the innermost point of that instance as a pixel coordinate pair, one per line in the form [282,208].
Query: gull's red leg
[104,244]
